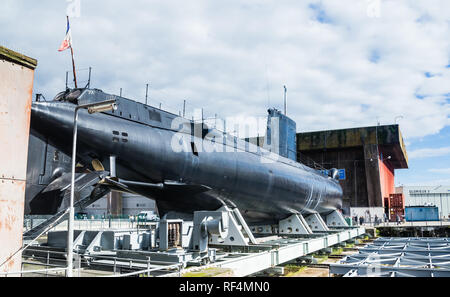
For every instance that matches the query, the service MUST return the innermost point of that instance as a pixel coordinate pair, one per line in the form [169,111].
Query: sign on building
[342,176]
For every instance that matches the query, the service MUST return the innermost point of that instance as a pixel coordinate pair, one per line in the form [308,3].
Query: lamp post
[92,108]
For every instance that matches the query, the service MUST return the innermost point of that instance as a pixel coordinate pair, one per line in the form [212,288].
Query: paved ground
[411,224]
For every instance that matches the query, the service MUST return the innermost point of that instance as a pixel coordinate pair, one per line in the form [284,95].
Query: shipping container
[421,213]
[396,201]
[394,205]
[394,211]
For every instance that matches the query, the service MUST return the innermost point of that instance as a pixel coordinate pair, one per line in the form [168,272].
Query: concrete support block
[326,251]
[278,270]
[308,260]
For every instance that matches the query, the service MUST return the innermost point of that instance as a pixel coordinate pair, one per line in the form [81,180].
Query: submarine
[185,166]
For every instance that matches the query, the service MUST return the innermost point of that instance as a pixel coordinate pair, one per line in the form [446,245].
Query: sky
[346,63]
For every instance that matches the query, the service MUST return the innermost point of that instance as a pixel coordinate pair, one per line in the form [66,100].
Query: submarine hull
[204,172]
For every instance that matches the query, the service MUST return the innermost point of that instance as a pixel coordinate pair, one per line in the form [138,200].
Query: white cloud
[429,152]
[234,57]
[437,182]
[440,170]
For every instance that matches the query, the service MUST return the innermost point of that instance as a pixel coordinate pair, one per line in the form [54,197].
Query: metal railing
[148,271]
[305,160]
[439,223]
[116,262]
[21,273]
[99,224]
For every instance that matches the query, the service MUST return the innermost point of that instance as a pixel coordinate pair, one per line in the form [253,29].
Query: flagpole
[73,62]
[73,65]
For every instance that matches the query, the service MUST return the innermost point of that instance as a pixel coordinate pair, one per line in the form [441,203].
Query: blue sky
[346,63]
[429,161]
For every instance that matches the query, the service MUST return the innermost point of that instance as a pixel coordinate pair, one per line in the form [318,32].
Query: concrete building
[427,196]
[130,205]
[367,158]
[16,88]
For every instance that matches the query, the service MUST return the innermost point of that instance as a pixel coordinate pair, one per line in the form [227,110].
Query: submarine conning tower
[281,137]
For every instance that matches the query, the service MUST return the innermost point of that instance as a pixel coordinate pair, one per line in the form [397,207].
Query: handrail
[32,271]
[145,271]
[34,239]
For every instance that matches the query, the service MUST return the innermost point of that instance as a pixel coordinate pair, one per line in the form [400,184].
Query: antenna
[146,94]
[88,85]
[224,126]
[184,108]
[285,107]
[89,80]
[120,92]
[267,87]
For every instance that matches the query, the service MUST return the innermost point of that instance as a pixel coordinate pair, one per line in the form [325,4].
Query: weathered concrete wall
[368,179]
[373,182]
[16,87]
[352,160]
[388,137]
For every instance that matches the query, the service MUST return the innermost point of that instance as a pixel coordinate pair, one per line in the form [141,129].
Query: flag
[67,42]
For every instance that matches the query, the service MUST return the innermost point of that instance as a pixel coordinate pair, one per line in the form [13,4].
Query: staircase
[86,194]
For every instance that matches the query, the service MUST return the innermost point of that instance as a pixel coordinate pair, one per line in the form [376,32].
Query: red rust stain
[8,201]
[30,90]
[10,219]
[28,108]
[29,101]
[10,265]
